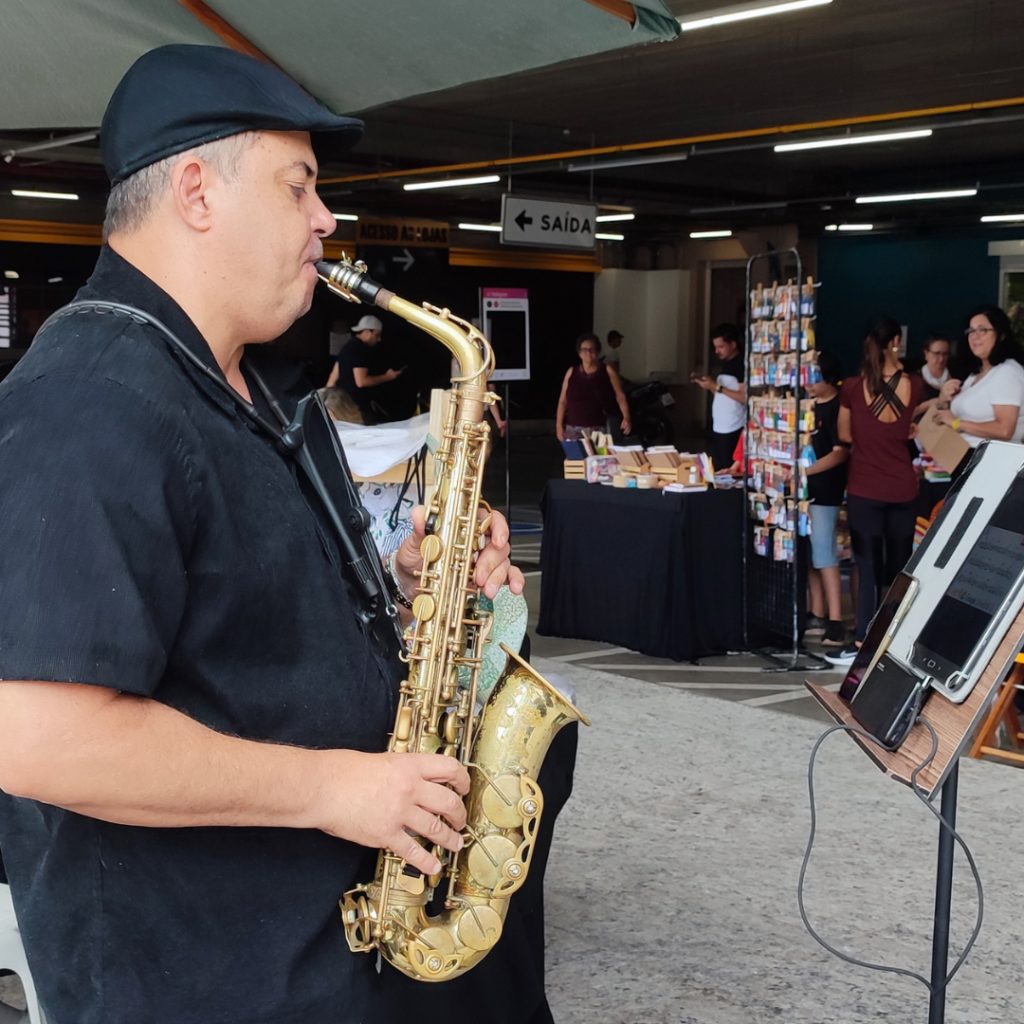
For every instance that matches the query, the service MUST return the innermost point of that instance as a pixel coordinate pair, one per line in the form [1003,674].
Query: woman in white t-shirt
[989,404]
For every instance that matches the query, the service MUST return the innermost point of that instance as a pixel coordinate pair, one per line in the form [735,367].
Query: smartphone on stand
[899,598]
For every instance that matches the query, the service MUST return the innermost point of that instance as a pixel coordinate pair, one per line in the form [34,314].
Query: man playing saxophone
[191,711]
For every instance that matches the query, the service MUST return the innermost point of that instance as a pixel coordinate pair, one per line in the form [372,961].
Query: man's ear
[191,180]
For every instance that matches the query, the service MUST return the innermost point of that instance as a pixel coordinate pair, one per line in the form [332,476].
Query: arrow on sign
[406,261]
[522,220]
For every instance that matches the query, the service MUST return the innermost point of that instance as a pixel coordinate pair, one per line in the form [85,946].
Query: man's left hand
[493,567]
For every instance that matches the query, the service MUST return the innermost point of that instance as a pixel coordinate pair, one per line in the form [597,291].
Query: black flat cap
[176,97]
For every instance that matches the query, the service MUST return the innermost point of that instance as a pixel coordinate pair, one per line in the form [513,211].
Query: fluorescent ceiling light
[11,275]
[417,186]
[628,161]
[27,194]
[906,197]
[54,280]
[997,218]
[610,238]
[606,218]
[852,140]
[738,207]
[710,234]
[344,216]
[745,12]
[480,227]
[849,227]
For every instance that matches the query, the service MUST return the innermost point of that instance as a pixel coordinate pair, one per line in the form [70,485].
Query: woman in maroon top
[876,410]
[590,392]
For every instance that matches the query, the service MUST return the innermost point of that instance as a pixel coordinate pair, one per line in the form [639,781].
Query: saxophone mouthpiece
[349,280]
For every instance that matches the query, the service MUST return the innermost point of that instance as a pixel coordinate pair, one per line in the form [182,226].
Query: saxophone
[504,745]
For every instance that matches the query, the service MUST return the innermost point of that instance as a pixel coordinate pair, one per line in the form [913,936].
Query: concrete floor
[671,888]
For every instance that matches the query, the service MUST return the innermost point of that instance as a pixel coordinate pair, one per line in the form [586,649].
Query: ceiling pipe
[38,147]
[640,147]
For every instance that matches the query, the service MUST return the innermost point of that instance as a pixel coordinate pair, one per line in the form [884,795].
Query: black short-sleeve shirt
[829,487]
[155,542]
[735,366]
[354,353]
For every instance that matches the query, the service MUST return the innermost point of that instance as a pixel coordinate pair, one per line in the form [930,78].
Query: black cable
[922,796]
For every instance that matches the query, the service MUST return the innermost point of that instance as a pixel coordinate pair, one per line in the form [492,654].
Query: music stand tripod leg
[943,899]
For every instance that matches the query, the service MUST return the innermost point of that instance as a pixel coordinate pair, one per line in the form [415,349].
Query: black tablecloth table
[658,573]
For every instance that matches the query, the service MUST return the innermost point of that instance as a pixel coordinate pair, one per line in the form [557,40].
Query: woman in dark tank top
[590,392]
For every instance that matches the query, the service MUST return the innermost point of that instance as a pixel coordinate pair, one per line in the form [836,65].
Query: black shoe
[814,626]
[835,634]
[844,657]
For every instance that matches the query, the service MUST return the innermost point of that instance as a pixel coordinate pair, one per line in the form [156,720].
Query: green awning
[60,59]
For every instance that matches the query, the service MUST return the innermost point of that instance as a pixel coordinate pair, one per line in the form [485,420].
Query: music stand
[954,724]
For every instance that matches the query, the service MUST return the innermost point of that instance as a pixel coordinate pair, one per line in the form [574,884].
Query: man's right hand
[377,800]
[390,375]
[560,432]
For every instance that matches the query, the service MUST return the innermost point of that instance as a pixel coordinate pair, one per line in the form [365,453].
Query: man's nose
[322,220]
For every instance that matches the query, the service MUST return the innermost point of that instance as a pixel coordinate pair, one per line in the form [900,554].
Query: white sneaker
[844,657]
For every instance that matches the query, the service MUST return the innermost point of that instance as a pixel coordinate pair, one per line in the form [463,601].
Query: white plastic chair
[12,954]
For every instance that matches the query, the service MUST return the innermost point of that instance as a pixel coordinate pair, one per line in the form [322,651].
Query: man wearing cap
[191,712]
[351,372]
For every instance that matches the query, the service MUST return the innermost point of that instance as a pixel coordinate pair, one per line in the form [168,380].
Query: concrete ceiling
[850,59]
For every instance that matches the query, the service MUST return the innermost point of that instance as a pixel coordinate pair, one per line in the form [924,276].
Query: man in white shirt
[728,407]
[611,352]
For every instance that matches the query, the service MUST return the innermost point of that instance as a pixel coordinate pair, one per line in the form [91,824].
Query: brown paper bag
[941,442]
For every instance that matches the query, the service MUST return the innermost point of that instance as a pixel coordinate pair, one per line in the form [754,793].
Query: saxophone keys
[403,728]
[423,607]
[501,802]
[487,859]
[479,927]
[451,728]
[432,956]
[431,548]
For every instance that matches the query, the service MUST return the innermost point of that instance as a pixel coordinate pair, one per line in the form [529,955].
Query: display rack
[779,422]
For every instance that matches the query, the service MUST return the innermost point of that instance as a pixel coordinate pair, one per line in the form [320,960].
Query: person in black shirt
[191,713]
[352,371]
[826,486]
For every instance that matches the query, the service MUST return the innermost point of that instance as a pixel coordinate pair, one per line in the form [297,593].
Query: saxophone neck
[470,348]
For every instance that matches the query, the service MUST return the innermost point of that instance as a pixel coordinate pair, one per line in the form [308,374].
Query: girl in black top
[826,485]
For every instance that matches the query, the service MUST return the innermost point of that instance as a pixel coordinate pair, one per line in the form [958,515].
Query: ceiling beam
[639,147]
[619,8]
[224,29]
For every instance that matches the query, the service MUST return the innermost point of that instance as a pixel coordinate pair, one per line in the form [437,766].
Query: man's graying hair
[130,201]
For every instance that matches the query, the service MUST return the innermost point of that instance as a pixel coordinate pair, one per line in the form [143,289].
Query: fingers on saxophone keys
[497,578]
[499,529]
[516,580]
[412,853]
[441,802]
[435,831]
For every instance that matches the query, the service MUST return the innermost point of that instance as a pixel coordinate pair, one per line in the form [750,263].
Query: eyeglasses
[979,330]
[585,348]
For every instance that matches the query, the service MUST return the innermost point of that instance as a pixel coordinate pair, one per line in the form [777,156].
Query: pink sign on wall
[505,321]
